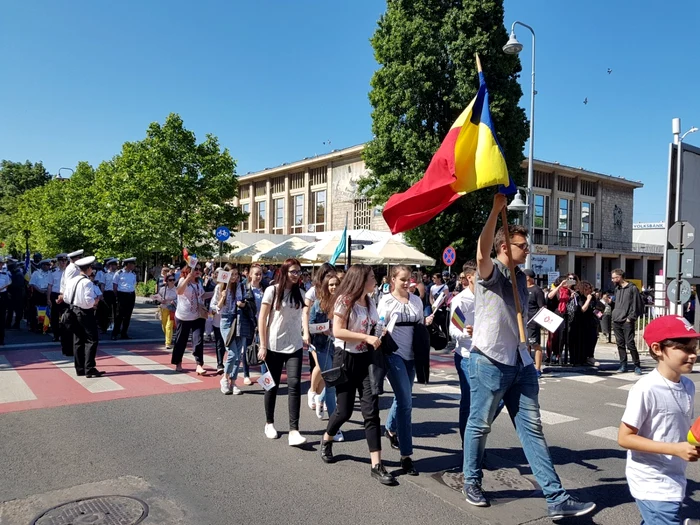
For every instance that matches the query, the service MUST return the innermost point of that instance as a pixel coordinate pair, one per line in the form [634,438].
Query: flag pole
[511,264]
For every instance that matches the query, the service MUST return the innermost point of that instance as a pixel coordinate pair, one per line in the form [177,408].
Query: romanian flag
[458,318]
[470,158]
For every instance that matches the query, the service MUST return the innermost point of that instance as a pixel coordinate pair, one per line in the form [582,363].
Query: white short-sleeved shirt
[81,290]
[465,301]
[56,277]
[411,312]
[71,271]
[187,308]
[284,325]
[361,319]
[661,410]
[125,281]
[310,295]
[41,279]
[109,280]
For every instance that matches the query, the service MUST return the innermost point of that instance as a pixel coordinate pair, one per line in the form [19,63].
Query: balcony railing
[589,242]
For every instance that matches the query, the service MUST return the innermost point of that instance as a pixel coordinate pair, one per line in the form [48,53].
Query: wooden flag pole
[513,282]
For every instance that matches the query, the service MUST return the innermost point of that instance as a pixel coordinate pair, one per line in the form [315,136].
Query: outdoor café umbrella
[392,251]
[278,253]
[245,255]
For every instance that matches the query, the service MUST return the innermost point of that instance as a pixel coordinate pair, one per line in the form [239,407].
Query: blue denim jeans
[462,366]
[659,512]
[490,382]
[233,358]
[325,362]
[401,374]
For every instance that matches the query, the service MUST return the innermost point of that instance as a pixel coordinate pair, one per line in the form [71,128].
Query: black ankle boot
[408,467]
[380,473]
[327,451]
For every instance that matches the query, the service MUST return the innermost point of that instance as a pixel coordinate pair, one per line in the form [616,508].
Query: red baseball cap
[669,327]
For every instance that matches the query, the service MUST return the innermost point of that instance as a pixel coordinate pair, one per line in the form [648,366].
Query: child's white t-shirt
[662,411]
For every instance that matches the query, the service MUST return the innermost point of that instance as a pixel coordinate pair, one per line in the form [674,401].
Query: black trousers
[37,299]
[292,362]
[125,306]
[4,298]
[182,334]
[220,347]
[102,316]
[15,309]
[357,371]
[624,337]
[111,302]
[605,326]
[85,339]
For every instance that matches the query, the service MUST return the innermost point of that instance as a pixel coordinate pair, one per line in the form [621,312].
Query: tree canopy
[427,76]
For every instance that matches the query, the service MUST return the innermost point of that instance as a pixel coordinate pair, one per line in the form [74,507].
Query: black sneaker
[381,474]
[393,440]
[408,467]
[475,496]
[327,451]
[570,507]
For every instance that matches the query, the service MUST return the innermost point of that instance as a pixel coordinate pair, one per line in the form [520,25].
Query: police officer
[110,297]
[81,293]
[57,308]
[5,281]
[124,286]
[39,288]
[17,294]
[71,270]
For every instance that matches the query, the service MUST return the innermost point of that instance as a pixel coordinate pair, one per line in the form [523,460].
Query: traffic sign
[687,263]
[688,234]
[222,233]
[449,256]
[672,291]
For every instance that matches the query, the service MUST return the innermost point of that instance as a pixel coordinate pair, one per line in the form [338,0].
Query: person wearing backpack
[628,307]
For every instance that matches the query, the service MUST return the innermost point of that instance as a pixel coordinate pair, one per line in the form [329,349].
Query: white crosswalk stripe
[12,386]
[162,372]
[94,385]
[552,418]
[605,432]
[444,390]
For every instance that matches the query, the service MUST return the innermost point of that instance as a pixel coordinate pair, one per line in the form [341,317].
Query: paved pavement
[199,457]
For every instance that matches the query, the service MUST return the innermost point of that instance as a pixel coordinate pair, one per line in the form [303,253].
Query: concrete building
[652,233]
[583,219]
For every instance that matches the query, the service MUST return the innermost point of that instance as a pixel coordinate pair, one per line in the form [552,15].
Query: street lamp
[518,205]
[513,47]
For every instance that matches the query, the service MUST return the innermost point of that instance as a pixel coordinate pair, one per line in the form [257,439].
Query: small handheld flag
[459,319]
[694,433]
[266,381]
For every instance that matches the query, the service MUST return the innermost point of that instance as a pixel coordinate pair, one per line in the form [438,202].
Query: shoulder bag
[68,318]
[234,323]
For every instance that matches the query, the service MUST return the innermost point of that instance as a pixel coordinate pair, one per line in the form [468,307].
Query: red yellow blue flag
[459,319]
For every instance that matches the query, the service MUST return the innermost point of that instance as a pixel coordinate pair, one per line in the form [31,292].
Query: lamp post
[513,47]
[518,205]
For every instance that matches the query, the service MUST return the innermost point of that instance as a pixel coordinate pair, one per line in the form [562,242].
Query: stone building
[583,219]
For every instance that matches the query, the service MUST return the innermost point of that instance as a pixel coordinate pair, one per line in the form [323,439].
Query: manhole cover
[503,484]
[102,510]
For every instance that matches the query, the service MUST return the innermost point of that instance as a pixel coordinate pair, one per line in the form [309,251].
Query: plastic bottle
[380,327]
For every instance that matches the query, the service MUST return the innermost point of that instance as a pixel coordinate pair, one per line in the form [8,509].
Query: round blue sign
[449,256]
[223,233]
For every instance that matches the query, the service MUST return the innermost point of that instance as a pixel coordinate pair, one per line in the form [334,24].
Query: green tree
[427,76]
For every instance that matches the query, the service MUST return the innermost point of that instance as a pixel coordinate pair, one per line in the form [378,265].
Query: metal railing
[588,242]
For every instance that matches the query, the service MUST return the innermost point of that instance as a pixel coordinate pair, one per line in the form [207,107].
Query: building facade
[583,219]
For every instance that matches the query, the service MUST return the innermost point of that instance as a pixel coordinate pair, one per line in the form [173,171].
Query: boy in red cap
[656,421]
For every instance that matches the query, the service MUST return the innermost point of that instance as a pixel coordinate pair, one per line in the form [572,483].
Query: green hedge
[146,289]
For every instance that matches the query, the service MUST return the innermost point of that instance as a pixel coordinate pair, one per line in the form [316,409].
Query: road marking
[444,390]
[145,364]
[94,385]
[208,360]
[626,387]
[626,376]
[552,418]
[585,378]
[617,405]
[12,386]
[605,432]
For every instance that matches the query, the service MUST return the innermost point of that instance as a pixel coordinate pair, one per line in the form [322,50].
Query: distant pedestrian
[535,301]
[57,308]
[39,291]
[168,302]
[656,421]
[628,307]
[228,302]
[5,281]
[124,285]
[606,319]
[110,296]
[249,327]
[190,306]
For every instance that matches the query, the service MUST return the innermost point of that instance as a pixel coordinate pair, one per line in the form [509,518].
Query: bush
[146,289]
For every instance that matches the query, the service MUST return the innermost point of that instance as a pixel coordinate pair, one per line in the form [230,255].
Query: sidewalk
[144,328]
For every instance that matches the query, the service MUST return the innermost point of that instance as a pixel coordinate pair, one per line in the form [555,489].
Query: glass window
[262,214]
[541,219]
[362,216]
[245,208]
[298,210]
[564,222]
[318,211]
[586,225]
[279,216]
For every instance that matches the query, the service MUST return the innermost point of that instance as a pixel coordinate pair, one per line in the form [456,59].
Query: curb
[118,342]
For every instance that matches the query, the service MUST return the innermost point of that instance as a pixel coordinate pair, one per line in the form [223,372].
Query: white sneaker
[247,381]
[225,386]
[339,437]
[326,415]
[319,410]
[592,362]
[311,397]
[237,391]
[270,432]
[295,438]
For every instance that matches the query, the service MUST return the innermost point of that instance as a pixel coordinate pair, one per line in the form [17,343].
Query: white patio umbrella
[392,251]
[282,251]
[245,255]
[322,251]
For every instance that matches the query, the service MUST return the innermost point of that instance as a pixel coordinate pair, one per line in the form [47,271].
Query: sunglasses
[523,246]
[171,280]
[294,272]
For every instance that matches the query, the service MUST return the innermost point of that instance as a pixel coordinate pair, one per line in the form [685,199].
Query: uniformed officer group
[80,297]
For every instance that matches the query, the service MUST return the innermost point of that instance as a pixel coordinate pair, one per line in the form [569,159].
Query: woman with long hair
[281,345]
[311,295]
[168,300]
[187,318]
[227,302]
[401,371]
[354,324]
[249,318]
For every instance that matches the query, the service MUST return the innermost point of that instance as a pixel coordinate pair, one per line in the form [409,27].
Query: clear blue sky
[273,79]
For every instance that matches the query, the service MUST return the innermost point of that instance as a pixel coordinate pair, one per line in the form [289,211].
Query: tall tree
[427,76]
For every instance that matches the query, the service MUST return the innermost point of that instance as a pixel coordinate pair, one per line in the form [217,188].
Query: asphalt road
[201,458]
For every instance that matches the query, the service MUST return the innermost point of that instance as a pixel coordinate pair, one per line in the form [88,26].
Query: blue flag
[340,249]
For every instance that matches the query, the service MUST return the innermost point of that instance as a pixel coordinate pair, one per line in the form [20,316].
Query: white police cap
[76,253]
[85,261]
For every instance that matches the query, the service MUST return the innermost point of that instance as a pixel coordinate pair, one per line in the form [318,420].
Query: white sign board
[547,319]
[223,276]
[551,277]
[542,264]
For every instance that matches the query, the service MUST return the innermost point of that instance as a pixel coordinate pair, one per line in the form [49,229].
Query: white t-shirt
[284,325]
[187,308]
[411,312]
[465,300]
[661,410]
[361,320]
[310,295]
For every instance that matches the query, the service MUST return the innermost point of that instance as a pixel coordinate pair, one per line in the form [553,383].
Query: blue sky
[274,79]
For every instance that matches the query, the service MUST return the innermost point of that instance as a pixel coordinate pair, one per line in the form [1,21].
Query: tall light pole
[513,47]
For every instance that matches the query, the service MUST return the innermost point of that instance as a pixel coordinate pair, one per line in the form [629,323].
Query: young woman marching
[187,318]
[227,302]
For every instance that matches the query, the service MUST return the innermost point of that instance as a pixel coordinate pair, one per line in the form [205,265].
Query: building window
[278,185]
[296,181]
[318,211]
[589,188]
[279,216]
[260,189]
[245,225]
[541,222]
[542,180]
[318,175]
[262,214]
[564,222]
[298,210]
[586,225]
[244,191]
[567,184]
[362,215]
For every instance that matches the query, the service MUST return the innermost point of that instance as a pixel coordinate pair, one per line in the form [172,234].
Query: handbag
[421,352]
[438,339]
[251,354]
[68,318]
[336,375]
